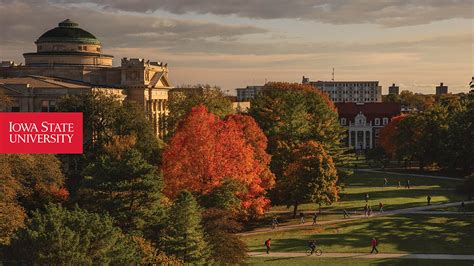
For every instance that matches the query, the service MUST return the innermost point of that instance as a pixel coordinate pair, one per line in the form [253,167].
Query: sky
[234,43]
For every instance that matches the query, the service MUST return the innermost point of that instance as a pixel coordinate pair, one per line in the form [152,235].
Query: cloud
[22,22]
[388,13]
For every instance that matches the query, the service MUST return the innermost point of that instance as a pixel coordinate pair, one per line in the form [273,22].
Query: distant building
[246,94]
[441,89]
[363,122]
[70,59]
[349,91]
[394,89]
[471,86]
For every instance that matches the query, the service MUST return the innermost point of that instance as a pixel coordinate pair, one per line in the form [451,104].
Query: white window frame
[377,121]
[385,121]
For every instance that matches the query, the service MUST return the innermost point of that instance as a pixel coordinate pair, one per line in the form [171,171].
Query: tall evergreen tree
[127,187]
[184,236]
[58,236]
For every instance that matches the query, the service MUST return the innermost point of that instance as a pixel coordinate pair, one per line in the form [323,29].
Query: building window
[80,48]
[385,121]
[85,48]
[377,121]
[98,49]
[343,121]
[48,106]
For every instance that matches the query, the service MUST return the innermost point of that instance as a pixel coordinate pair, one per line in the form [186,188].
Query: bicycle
[316,251]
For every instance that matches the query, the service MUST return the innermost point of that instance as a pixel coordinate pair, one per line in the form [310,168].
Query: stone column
[364,140]
[350,137]
[356,140]
[370,138]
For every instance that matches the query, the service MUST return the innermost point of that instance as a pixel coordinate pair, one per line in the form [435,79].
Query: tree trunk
[295,209]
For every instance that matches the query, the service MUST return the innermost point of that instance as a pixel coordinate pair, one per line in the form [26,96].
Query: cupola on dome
[68,32]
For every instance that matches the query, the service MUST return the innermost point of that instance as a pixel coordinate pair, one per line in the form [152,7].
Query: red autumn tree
[387,135]
[205,150]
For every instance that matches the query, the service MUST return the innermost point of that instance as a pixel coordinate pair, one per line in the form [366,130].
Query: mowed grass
[352,261]
[417,233]
[352,197]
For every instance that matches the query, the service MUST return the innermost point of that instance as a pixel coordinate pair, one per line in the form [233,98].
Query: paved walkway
[365,255]
[408,174]
[353,218]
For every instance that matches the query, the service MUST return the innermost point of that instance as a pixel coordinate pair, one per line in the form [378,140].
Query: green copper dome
[67,32]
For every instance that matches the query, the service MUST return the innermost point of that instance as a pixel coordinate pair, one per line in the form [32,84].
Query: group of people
[315,218]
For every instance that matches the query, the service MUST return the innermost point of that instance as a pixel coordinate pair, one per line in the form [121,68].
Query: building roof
[42,82]
[369,110]
[67,32]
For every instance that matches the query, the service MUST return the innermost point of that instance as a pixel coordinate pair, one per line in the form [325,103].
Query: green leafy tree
[311,176]
[104,118]
[184,236]
[291,114]
[59,236]
[182,100]
[127,187]
[225,196]
[461,131]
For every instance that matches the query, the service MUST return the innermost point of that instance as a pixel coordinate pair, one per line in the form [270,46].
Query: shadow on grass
[409,233]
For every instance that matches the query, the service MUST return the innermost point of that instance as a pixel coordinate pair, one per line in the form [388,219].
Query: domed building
[68,44]
[69,60]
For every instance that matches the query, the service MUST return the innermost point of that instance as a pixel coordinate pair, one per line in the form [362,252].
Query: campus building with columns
[70,60]
[363,122]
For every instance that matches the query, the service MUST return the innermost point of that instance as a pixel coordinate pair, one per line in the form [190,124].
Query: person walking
[399,185]
[370,211]
[375,243]
[385,182]
[428,199]
[367,197]
[315,217]
[346,214]
[301,218]
[366,210]
[274,222]
[408,184]
[268,244]
[380,207]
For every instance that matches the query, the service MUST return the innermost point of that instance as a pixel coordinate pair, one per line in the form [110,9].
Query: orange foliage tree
[206,149]
[387,135]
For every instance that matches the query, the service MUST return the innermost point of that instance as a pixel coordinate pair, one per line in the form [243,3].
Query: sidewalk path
[365,255]
[353,218]
[408,174]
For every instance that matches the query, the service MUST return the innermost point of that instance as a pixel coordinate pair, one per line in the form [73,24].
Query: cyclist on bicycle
[312,245]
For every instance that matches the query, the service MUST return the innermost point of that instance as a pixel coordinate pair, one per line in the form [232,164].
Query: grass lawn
[467,208]
[417,233]
[352,261]
[356,186]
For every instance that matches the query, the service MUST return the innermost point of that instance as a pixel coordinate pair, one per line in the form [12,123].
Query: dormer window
[343,121]
[377,121]
[385,121]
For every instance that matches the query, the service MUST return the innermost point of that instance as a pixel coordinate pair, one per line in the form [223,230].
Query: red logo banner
[47,133]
